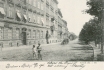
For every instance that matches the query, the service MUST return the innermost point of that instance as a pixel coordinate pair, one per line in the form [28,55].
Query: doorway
[24,38]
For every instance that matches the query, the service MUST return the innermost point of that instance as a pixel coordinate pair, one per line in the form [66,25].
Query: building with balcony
[22,22]
[26,22]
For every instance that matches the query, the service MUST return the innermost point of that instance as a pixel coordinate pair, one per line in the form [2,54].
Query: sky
[72,13]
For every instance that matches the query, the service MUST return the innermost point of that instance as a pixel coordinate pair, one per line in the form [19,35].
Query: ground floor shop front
[12,34]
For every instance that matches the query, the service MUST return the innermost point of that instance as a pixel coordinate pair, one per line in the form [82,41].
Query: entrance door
[24,38]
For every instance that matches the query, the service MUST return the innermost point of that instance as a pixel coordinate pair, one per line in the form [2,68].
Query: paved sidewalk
[97,51]
[24,46]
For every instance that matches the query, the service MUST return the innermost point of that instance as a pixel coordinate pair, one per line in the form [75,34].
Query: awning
[18,14]
[2,11]
[25,17]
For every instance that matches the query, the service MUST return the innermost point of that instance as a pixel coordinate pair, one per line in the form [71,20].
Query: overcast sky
[72,13]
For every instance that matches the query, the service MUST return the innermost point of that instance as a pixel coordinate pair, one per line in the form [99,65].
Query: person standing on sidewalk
[39,49]
[34,49]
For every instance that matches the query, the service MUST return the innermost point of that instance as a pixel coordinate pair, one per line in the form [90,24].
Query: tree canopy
[91,31]
[95,8]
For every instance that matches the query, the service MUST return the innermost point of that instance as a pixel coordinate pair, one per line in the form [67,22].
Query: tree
[91,32]
[96,8]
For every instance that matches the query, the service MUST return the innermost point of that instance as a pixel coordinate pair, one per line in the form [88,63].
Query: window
[34,3]
[2,12]
[38,34]
[34,18]
[52,9]
[10,12]
[41,34]
[30,17]
[9,33]
[38,4]
[47,5]
[42,20]
[18,15]
[30,2]
[38,19]
[56,12]
[17,33]
[34,34]
[47,18]
[42,6]
[29,34]
[24,1]
[1,33]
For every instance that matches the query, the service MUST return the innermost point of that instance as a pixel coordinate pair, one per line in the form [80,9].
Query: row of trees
[92,30]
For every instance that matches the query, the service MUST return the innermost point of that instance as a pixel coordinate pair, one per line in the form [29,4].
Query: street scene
[51,30]
[53,52]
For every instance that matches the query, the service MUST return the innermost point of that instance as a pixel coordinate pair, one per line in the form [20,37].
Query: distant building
[25,22]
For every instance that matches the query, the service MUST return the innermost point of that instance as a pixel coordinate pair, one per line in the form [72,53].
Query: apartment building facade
[26,22]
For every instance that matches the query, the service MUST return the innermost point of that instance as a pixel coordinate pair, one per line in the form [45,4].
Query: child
[34,52]
[39,51]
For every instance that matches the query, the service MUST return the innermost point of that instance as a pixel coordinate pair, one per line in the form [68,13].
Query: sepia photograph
[51,30]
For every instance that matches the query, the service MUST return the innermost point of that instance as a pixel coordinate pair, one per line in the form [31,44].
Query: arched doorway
[24,42]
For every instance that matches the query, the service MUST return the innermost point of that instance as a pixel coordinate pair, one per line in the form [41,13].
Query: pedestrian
[39,52]
[34,49]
